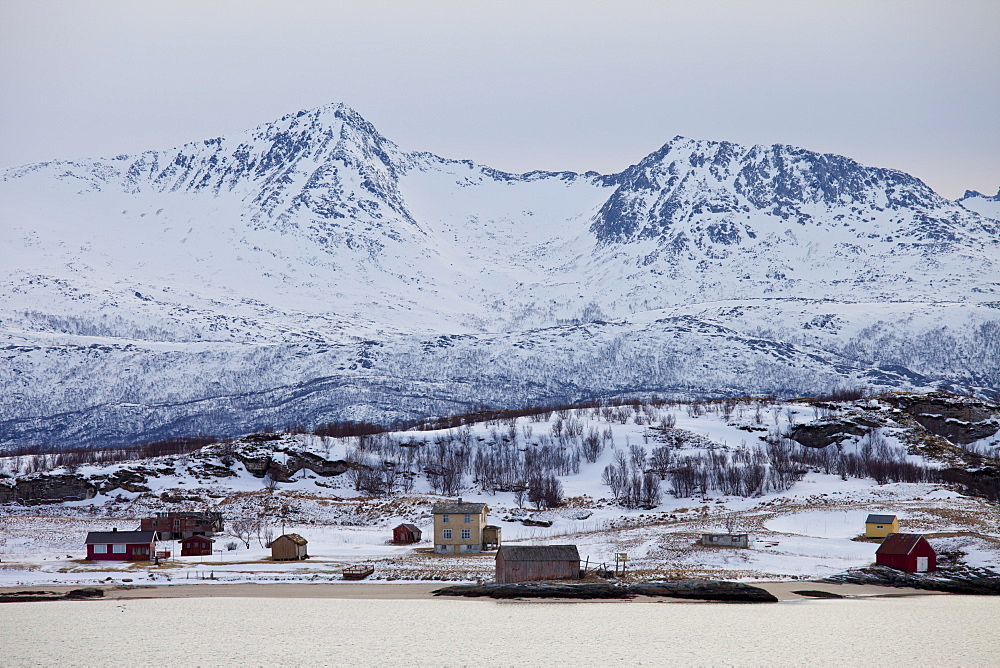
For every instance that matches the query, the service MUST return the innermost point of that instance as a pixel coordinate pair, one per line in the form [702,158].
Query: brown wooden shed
[196,546]
[521,563]
[406,534]
[289,547]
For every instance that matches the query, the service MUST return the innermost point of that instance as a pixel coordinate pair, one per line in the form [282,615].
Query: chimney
[115,529]
[460,499]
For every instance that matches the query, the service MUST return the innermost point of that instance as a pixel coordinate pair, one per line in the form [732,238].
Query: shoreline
[783,591]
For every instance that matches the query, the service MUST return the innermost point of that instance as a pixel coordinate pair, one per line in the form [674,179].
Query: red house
[196,546]
[118,545]
[907,552]
[405,534]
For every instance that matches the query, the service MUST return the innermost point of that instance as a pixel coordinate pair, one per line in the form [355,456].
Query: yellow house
[458,527]
[880,526]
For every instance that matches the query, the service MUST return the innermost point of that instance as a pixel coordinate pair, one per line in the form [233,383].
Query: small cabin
[289,547]
[196,546]
[725,539]
[406,534]
[880,526]
[907,552]
[118,545]
[524,563]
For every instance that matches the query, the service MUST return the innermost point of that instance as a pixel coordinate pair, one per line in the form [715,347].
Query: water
[923,631]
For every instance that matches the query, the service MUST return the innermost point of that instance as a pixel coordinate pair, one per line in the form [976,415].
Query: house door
[921,564]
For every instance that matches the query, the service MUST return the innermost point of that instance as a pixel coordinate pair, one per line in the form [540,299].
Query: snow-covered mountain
[310,269]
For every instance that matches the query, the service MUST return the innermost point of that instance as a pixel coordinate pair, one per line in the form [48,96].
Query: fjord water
[924,630]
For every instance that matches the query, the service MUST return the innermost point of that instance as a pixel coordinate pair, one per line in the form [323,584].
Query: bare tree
[243,528]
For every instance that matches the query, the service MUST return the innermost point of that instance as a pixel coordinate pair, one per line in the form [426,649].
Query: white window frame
[446,534]
[118,549]
[466,534]
[445,519]
[468,518]
[100,549]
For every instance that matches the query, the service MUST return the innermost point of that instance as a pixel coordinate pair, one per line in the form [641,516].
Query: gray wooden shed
[725,539]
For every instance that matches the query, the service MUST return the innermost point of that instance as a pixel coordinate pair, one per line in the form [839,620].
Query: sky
[556,85]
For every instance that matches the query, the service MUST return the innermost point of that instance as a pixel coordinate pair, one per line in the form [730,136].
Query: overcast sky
[517,85]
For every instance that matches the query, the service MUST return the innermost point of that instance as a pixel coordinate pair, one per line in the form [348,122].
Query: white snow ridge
[311,270]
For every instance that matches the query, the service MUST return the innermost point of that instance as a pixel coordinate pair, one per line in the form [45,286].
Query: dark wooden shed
[907,552]
[196,546]
[406,534]
[289,547]
[725,539]
[521,563]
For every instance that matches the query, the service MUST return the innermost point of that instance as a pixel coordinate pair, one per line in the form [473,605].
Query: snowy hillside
[984,205]
[645,479]
[310,270]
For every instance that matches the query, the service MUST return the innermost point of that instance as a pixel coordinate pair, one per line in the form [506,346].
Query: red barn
[118,545]
[405,534]
[196,546]
[907,552]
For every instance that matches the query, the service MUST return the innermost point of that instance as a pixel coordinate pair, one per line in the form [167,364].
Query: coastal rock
[974,581]
[704,590]
[597,590]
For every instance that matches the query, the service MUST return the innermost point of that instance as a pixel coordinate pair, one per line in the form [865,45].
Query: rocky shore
[974,581]
[81,594]
[702,590]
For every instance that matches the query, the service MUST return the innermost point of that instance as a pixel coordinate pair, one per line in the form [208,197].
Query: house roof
[194,539]
[459,508]
[294,537]
[539,553]
[880,519]
[411,527]
[899,543]
[117,537]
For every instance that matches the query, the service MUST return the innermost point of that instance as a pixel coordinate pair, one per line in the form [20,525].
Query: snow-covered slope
[984,205]
[310,269]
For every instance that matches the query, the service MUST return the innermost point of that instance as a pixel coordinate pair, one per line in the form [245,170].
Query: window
[445,518]
[468,518]
[118,549]
[156,523]
[447,533]
[466,533]
[100,549]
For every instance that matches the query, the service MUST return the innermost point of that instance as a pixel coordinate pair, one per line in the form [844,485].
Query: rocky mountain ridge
[310,269]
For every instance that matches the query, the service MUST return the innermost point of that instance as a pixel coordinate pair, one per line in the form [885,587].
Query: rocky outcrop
[130,481]
[822,433]
[42,488]
[959,419]
[322,467]
[977,581]
[702,590]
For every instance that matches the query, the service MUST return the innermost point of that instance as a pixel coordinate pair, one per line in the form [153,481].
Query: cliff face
[44,488]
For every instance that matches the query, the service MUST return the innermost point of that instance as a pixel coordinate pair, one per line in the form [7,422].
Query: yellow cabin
[880,526]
